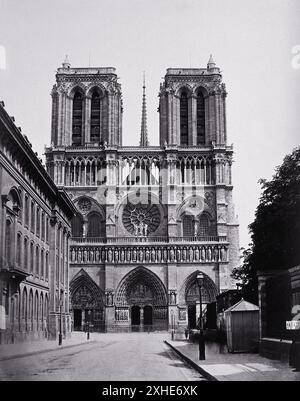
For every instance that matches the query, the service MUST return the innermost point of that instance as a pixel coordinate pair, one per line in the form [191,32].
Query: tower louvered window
[77,119]
[95,117]
[183,119]
[200,119]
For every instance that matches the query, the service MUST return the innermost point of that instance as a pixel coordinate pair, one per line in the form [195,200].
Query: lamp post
[88,324]
[60,320]
[172,325]
[200,279]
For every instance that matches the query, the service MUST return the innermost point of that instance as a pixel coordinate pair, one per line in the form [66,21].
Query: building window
[47,229]
[77,119]
[38,223]
[47,266]
[95,117]
[24,305]
[37,260]
[183,119]
[36,307]
[32,216]
[31,258]
[43,226]
[200,119]
[26,211]
[26,253]
[19,249]
[8,239]
[30,310]
[42,263]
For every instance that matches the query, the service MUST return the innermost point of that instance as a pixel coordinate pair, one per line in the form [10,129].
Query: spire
[144,134]
[66,63]
[211,63]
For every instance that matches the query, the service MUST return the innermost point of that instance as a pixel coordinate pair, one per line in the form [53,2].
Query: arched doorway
[87,303]
[192,322]
[143,294]
[135,315]
[190,296]
[148,310]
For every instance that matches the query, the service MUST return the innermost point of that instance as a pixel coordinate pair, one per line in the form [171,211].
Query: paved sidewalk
[18,350]
[234,367]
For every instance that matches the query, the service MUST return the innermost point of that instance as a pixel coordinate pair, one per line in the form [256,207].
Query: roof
[242,306]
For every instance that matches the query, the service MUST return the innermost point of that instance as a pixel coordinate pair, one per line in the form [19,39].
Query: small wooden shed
[242,326]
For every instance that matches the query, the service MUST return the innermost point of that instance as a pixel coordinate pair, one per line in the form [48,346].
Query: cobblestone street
[132,356]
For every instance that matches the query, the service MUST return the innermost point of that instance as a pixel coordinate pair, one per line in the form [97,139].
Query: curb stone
[203,372]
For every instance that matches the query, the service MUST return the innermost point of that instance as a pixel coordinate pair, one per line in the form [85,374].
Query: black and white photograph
[149,193]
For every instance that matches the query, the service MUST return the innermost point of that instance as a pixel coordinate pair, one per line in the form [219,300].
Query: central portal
[142,294]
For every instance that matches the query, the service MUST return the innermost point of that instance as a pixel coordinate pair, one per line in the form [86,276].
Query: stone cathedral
[149,218]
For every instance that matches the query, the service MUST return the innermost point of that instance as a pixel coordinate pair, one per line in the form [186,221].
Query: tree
[276,228]
[246,276]
[275,232]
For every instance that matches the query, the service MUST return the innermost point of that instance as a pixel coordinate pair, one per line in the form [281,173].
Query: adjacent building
[34,242]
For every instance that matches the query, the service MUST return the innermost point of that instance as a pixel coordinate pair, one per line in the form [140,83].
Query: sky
[256,43]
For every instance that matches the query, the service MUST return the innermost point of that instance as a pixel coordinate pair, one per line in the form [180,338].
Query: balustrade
[159,239]
[89,254]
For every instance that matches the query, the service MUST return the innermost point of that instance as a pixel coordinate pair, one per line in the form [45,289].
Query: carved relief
[172,297]
[109,297]
[182,314]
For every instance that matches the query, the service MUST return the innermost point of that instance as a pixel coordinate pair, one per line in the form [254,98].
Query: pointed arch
[85,293]
[200,115]
[77,118]
[209,289]
[15,197]
[95,115]
[184,117]
[96,225]
[143,276]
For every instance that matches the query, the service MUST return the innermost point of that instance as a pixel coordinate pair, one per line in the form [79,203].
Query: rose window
[141,220]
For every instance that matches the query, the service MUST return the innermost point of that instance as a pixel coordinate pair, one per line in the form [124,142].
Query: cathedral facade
[149,218]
